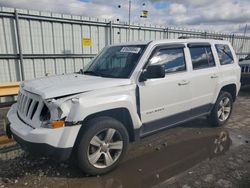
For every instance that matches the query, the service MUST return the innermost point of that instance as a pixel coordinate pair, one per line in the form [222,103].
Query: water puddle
[186,147]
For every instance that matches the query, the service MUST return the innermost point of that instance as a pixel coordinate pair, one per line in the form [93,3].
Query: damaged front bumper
[53,143]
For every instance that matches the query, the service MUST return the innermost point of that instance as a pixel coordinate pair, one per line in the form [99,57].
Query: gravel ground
[191,155]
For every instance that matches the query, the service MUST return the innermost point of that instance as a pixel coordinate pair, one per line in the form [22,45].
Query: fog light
[57,124]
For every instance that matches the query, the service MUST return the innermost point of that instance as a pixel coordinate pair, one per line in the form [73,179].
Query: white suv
[128,91]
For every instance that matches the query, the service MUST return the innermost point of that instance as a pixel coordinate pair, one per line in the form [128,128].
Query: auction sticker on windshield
[134,50]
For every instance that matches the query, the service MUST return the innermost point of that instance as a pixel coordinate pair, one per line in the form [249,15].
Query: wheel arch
[120,114]
[230,88]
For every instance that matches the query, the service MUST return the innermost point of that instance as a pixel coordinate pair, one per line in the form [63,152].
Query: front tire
[102,146]
[222,109]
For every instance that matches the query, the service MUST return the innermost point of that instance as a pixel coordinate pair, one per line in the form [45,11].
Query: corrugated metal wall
[34,44]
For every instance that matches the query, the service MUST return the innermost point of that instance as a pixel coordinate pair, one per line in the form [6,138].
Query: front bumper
[245,79]
[53,143]
[41,149]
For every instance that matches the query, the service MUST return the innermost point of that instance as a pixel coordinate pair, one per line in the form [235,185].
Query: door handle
[214,76]
[183,82]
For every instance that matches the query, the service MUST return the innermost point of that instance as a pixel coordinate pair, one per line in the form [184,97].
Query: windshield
[116,61]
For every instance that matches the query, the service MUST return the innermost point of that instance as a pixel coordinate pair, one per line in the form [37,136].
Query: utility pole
[129,18]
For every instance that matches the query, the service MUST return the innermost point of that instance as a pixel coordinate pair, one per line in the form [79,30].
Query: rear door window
[224,54]
[202,57]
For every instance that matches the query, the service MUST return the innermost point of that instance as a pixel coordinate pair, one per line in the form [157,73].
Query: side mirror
[152,72]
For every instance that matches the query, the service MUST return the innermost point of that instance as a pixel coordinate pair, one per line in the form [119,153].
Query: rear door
[204,80]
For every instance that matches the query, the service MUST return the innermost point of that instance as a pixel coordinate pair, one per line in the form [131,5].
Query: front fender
[90,104]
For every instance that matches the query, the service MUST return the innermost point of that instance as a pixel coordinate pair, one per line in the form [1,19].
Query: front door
[166,101]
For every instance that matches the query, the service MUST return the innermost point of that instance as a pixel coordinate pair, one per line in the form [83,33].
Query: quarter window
[202,57]
[172,59]
[224,54]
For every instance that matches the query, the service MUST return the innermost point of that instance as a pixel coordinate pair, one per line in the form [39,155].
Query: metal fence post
[110,32]
[166,30]
[233,40]
[205,34]
[19,47]
[164,33]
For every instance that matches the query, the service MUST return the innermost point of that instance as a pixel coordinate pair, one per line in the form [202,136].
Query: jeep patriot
[126,92]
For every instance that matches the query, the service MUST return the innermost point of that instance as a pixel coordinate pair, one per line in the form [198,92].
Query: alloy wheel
[224,109]
[105,148]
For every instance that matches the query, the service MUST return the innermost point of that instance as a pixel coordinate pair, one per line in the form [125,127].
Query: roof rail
[188,37]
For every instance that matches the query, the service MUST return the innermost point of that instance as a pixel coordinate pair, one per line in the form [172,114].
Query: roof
[212,41]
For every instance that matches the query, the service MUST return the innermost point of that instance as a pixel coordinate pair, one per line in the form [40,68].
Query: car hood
[69,84]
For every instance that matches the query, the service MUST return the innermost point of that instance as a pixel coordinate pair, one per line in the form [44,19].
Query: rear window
[224,54]
[202,57]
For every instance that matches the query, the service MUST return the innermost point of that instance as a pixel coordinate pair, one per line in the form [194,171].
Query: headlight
[55,112]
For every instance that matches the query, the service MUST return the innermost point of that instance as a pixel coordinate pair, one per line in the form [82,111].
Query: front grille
[29,108]
[245,69]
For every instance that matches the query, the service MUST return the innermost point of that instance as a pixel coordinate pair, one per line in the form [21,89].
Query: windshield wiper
[79,72]
[92,73]
[108,75]
[99,74]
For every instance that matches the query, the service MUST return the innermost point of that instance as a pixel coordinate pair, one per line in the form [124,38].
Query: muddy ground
[194,154]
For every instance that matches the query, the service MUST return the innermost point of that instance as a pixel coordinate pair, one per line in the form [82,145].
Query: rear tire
[102,146]
[222,109]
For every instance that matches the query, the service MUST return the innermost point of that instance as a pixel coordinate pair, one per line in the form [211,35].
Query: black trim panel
[199,44]
[137,134]
[157,125]
[42,149]
[170,46]
[138,105]
[202,109]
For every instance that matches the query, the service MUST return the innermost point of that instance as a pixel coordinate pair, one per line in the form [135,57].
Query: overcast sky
[228,16]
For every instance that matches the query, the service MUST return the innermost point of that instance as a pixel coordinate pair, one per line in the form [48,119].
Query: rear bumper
[53,143]
[245,79]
